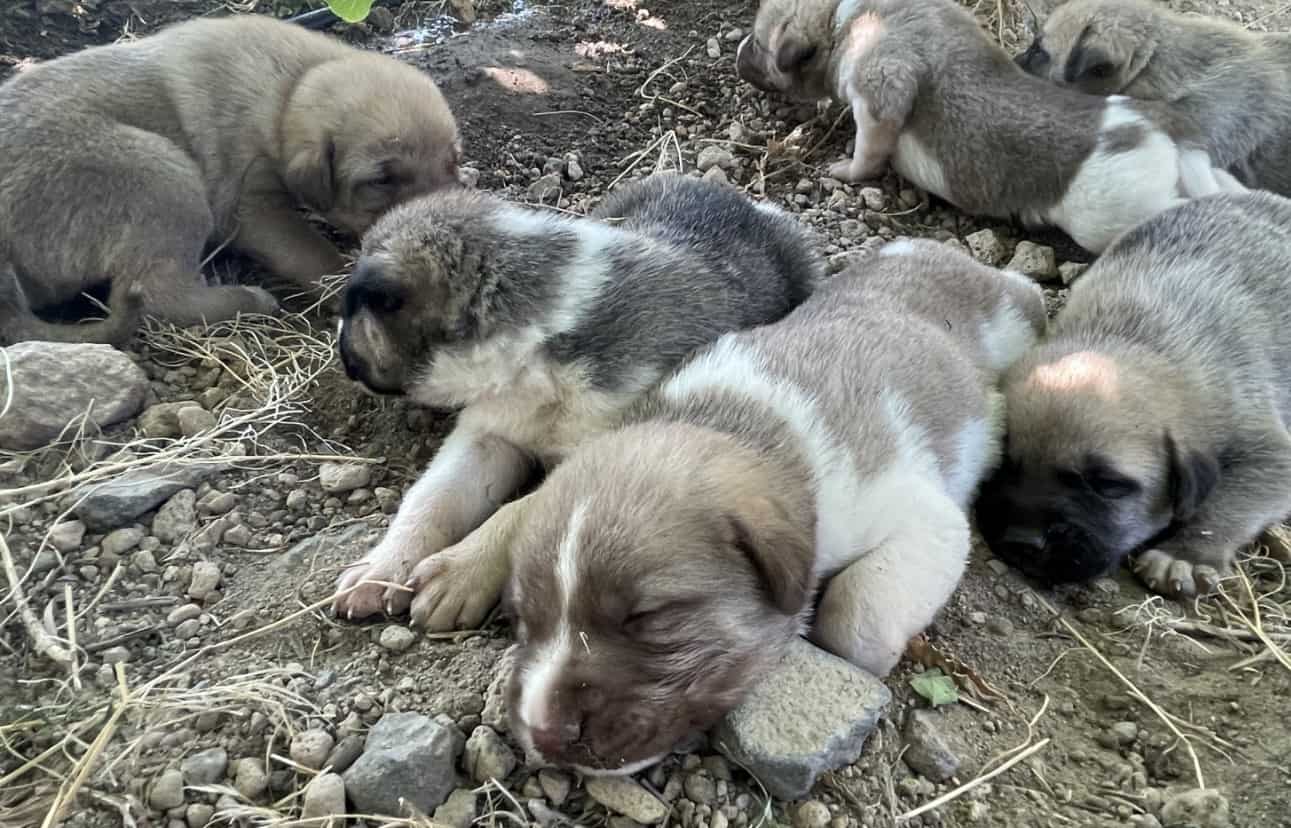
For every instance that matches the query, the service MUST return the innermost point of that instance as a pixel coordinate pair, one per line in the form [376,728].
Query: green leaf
[351,11]
[936,687]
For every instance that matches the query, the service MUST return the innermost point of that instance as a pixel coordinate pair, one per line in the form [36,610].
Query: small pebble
[397,638]
[311,748]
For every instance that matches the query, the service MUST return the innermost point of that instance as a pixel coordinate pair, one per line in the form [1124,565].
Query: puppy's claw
[1175,577]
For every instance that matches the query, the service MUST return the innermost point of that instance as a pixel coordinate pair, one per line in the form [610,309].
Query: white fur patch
[769,207]
[542,674]
[852,515]
[1113,192]
[900,247]
[1006,336]
[582,281]
[976,450]
[919,166]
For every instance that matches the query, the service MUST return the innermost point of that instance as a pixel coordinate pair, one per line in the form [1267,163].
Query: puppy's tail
[19,324]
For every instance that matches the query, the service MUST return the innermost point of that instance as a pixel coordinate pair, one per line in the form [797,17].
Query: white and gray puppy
[664,566]
[933,94]
[541,330]
[119,164]
[1154,419]
[1233,85]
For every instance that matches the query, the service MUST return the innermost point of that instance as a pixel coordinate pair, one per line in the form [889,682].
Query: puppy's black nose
[554,739]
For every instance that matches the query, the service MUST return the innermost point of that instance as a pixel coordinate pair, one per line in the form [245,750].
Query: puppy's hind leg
[177,294]
[872,609]
[19,324]
[875,142]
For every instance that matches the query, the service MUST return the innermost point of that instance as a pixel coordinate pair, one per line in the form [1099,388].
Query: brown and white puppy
[1232,85]
[121,163]
[664,566]
[1154,420]
[934,95]
[541,330]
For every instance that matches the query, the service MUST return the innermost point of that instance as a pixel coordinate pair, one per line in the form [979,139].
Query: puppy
[120,163]
[1155,416]
[541,330]
[931,93]
[1233,85]
[664,566]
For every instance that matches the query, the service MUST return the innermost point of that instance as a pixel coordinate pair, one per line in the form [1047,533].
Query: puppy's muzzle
[1041,542]
[749,60]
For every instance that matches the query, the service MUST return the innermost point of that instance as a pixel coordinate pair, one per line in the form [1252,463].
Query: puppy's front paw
[388,563]
[1176,577]
[455,589]
[845,171]
[260,301]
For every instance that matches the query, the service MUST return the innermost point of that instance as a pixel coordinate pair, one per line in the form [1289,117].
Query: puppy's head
[656,575]
[1096,464]
[418,288]
[363,133]
[789,49]
[1096,46]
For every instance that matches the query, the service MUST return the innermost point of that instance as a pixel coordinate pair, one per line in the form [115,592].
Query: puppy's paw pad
[1167,575]
[384,571]
[844,171]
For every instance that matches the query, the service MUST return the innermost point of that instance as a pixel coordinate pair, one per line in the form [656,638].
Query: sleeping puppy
[664,566]
[121,163]
[1234,85]
[1155,417]
[541,330]
[933,94]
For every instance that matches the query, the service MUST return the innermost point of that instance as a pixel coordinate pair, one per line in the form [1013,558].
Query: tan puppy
[1232,84]
[541,330]
[1155,417]
[121,163]
[933,94]
[663,567]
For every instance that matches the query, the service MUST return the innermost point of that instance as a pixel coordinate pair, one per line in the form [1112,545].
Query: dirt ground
[1126,699]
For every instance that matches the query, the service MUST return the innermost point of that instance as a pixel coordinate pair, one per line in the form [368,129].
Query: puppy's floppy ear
[311,175]
[1193,474]
[793,53]
[779,550]
[1088,63]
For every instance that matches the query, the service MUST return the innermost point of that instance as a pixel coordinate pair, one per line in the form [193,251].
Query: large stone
[927,752]
[339,478]
[177,517]
[324,797]
[809,715]
[206,767]
[56,383]
[120,500]
[407,756]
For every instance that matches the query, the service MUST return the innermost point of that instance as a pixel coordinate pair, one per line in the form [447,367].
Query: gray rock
[714,156]
[338,478]
[459,811]
[545,188]
[311,748]
[198,815]
[397,638]
[127,496]
[207,767]
[487,757]
[217,503]
[182,613]
[986,246]
[188,629]
[874,199]
[324,797]
[555,785]
[496,713]
[161,421]
[345,753]
[406,755]
[1069,272]
[239,534]
[716,175]
[811,814]
[67,536]
[624,795]
[251,780]
[194,420]
[167,791]
[927,752]
[713,48]
[573,167]
[122,541]
[55,384]
[206,579]
[811,714]
[1119,735]
[176,518]
[700,788]
[116,655]
[1034,260]
[1196,808]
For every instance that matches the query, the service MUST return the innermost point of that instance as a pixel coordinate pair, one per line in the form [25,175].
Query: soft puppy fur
[1232,85]
[541,330]
[662,567]
[1155,417]
[933,94]
[121,163]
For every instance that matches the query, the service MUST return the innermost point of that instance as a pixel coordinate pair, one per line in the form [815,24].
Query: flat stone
[624,795]
[177,517]
[927,753]
[407,755]
[324,797]
[167,791]
[67,536]
[206,579]
[459,811]
[206,767]
[120,500]
[338,478]
[55,384]
[809,715]
[311,748]
[487,757]
[194,420]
